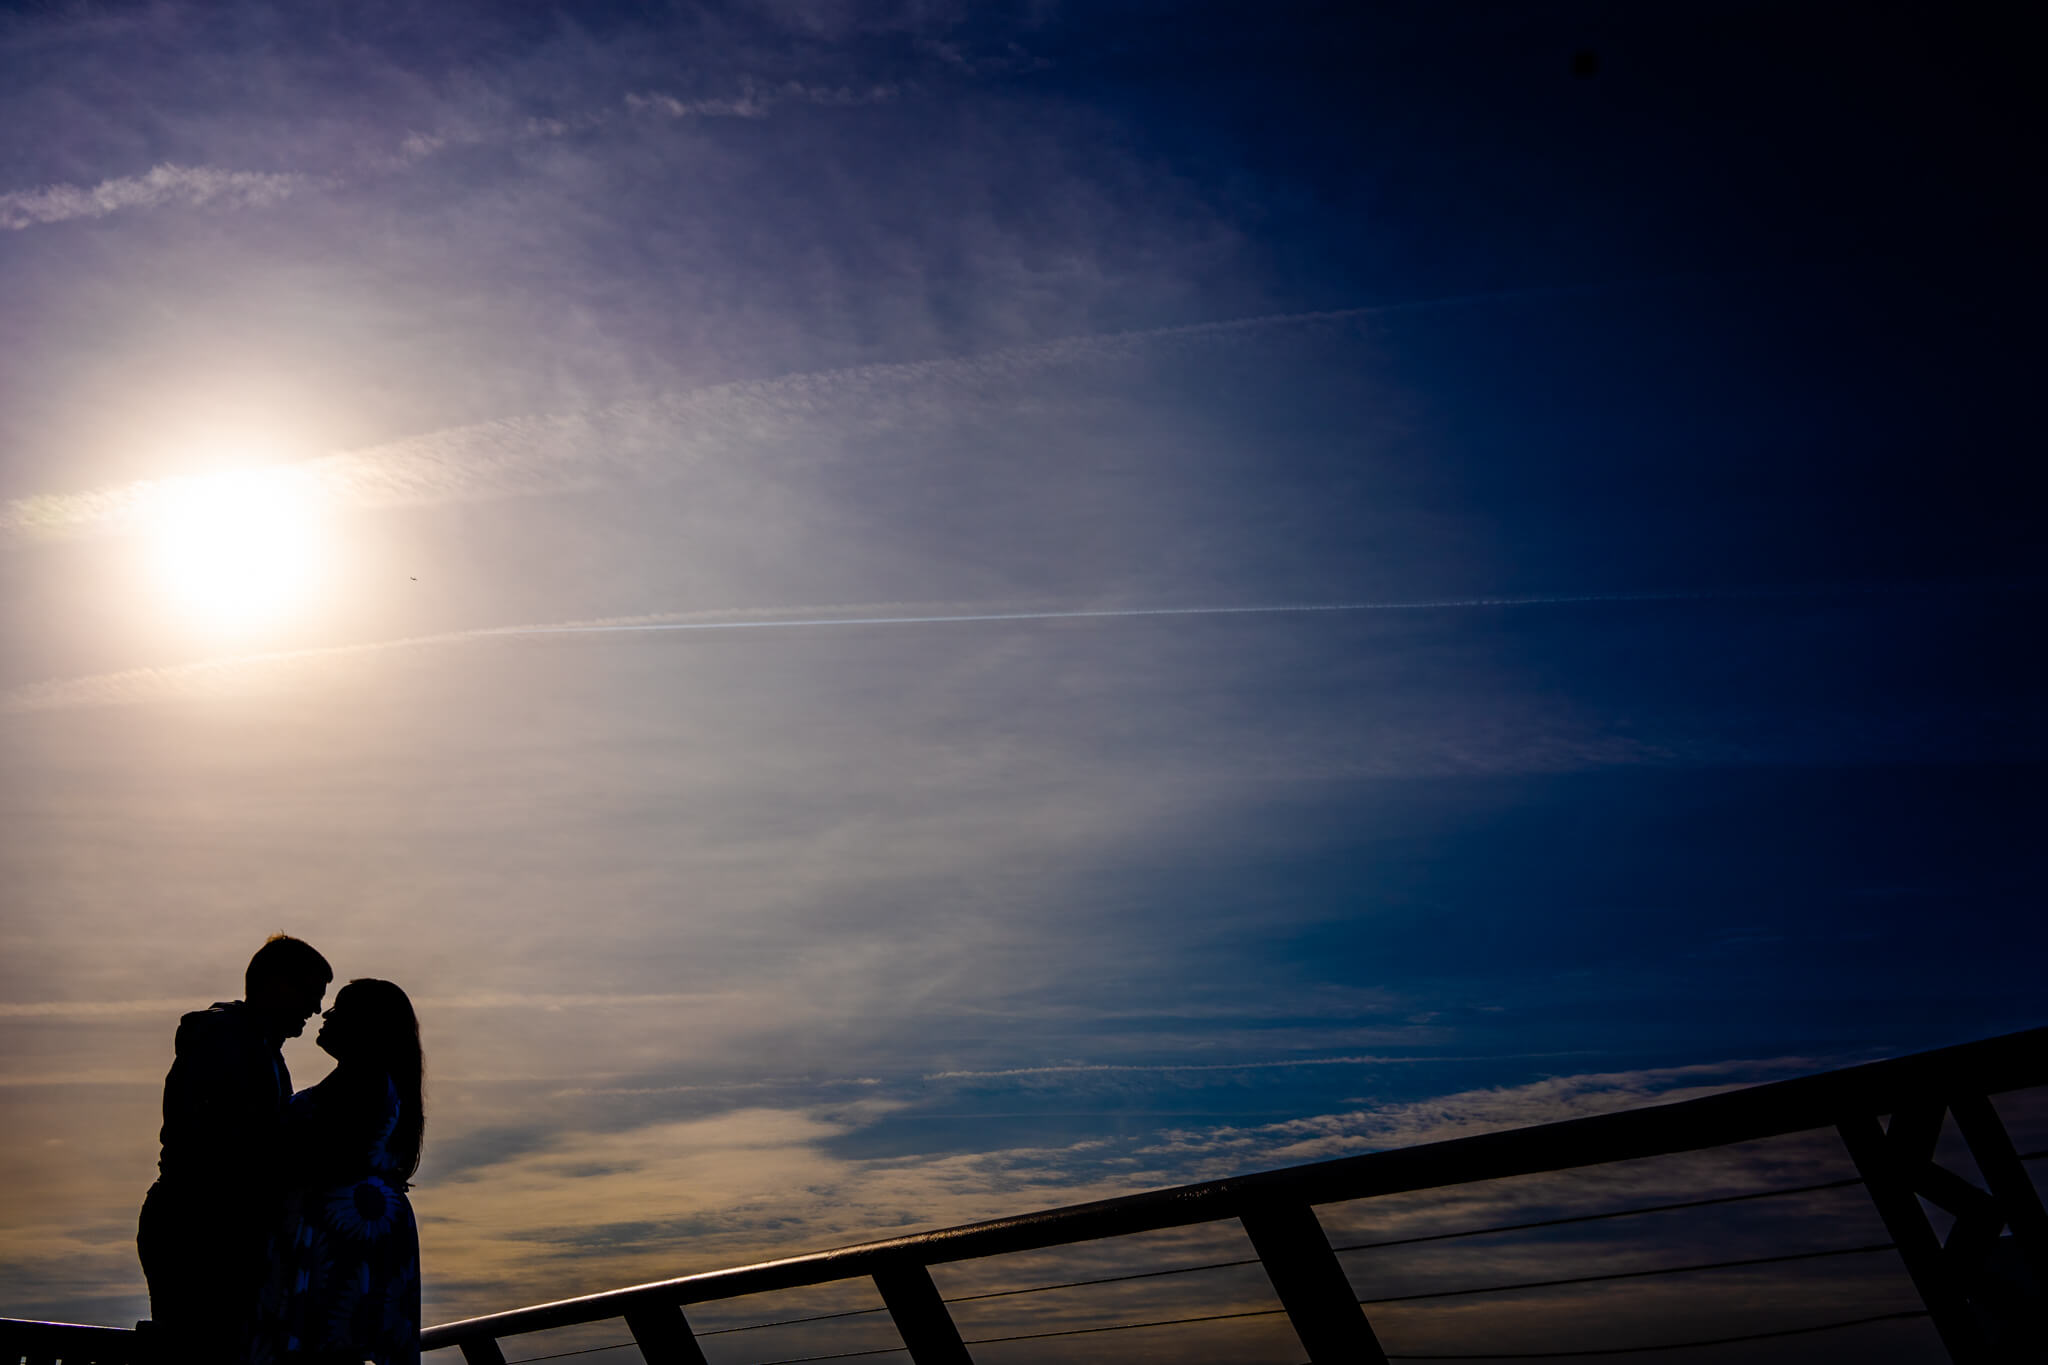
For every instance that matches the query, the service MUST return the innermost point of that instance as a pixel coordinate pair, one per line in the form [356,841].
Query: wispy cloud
[784,1083]
[87,1009]
[753,99]
[655,440]
[92,1076]
[574,1210]
[1141,1068]
[490,1000]
[672,1196]
[208,677]
[756,99]
[690,432]
[417,146]
[171,184]
[1476,1111]
[159,187]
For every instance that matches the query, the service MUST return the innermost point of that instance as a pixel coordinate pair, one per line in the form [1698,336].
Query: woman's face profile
[336,1028]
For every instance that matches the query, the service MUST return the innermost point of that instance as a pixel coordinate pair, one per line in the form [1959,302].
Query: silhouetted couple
[278,1229]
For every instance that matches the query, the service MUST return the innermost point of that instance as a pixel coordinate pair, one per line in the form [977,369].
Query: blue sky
[918,611]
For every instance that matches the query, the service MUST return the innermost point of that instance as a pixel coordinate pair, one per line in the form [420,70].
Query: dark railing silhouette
[1981,1287]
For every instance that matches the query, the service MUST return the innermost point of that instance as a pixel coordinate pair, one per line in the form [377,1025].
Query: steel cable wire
[1674,1345]
[1648,1348]
[1398,1298]
[564,1355]
[1597,1217]
[1634,1274]
[789,1322]
[1353,1246]
[2035,1155]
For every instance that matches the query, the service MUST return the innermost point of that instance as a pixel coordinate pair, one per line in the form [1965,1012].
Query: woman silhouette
[344,1281]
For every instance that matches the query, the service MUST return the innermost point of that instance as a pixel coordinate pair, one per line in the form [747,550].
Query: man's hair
[283,957]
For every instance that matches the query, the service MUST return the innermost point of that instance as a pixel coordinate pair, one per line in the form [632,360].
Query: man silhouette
[205,1221]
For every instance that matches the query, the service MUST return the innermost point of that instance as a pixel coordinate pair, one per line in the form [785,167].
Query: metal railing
[1999,1234]
[72,1343]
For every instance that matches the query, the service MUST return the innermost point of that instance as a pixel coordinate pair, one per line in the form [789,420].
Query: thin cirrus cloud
[724,1183]
[754,99]
[757,99]
[169,184]
[88,1009]
[159,187]
[540,454]
[103,1009]
[668,437]
[1143,1068]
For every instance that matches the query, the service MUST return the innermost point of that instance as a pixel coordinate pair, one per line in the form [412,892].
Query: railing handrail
[2012,1061]
[98,1329]
[80,1342]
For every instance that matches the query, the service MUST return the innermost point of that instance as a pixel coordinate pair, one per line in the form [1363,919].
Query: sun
[238,549]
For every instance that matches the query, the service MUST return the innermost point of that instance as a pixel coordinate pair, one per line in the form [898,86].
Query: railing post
[664,1336]
[2018,1318]
[482,1351]
[1312,1286]
[2008,1180]
[921,1316]
[1889,1177]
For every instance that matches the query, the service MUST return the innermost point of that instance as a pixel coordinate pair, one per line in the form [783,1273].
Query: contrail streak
[1104,613]
[232,674]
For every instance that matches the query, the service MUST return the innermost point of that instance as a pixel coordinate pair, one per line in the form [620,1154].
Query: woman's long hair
[390,1035]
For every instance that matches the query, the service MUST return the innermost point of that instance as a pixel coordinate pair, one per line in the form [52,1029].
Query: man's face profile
[291,1001]
[306,998]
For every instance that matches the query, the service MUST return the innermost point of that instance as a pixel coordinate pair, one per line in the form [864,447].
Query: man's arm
[221,1106]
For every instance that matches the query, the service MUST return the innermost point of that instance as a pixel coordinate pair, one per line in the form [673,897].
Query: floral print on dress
[344,1269]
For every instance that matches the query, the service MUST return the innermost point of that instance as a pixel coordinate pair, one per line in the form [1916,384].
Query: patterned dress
[344,1281]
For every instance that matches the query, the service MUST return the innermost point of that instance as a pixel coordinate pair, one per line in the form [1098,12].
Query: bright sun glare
[237,549]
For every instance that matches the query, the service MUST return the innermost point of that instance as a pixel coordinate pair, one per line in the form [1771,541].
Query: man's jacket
[224,1102]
